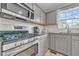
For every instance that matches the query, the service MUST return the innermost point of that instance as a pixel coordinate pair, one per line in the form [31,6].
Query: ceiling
[47,7]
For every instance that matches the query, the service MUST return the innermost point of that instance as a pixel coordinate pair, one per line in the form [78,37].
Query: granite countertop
[64,33]
[14,36]
[30,36]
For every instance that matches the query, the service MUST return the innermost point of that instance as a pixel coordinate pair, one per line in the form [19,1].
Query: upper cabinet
[29,5]
[37,14]
[43,18]
[23,11]
[0,7]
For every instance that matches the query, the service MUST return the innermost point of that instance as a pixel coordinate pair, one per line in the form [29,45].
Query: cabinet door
[0,7]
[43,45]
[51,42]
[63,44]
[75,45]
[41,52]
[37,14]
[42,17]
[29,5]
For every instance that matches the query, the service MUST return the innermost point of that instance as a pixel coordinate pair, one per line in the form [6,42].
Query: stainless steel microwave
[16,10]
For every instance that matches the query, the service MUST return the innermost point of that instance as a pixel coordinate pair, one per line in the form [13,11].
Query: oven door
[31,51]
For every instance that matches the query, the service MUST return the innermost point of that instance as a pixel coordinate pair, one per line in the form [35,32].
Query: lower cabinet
[63,44]
[43,45]
[51,41]
[60,43]
[45,40]
[75,45]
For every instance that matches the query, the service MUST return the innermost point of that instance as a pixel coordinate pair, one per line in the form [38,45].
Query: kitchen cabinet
[45,40]
[63,44]
[43,45]
[29,5]
[43,17]
[75,45]
[37,14]
[0,7]
[51,41]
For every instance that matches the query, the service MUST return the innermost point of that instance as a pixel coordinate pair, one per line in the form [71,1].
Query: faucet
[68,28]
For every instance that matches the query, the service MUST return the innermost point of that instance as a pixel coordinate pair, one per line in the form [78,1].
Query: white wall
[51,18]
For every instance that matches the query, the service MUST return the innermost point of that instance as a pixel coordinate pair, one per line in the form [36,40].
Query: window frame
[65,11]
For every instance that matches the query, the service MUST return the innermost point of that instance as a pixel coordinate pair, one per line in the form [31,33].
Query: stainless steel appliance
[16,11]
[31,51]
[32,15]
[34,30]
[0,48]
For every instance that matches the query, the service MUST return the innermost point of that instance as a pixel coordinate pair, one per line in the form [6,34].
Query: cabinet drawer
[75,47]
[62,36]
[75,42]
[75,37]
[29,5]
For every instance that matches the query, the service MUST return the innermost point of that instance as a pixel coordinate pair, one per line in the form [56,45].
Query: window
[68,17]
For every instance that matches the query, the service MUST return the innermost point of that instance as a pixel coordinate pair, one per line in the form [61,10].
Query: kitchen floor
[49,53]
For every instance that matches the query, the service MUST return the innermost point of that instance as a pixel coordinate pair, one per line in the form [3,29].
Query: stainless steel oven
[31,51]
[0,48]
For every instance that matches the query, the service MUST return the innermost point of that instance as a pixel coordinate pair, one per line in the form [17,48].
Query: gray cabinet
[0,7]
[63,44]
[43,45]
[29,5]
[43,18]
[37,14]
[51,41]
[75,45]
